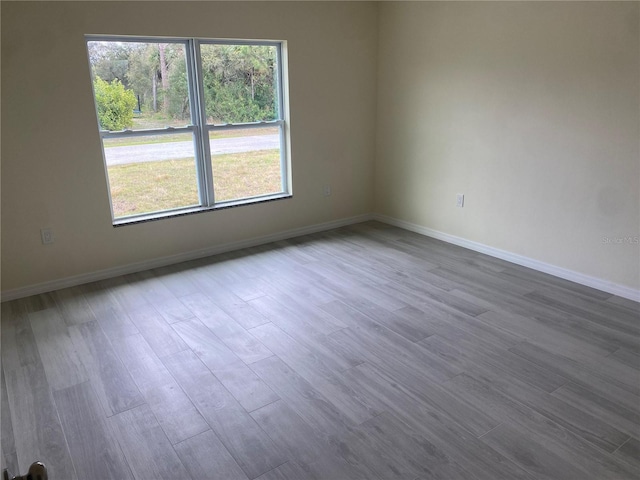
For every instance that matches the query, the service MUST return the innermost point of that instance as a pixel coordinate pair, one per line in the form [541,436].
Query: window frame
[200,129]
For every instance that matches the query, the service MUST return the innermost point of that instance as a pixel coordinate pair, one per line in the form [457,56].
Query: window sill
[152,217]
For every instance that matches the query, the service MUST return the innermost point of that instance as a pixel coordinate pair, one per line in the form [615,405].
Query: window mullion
[205,175]
[284,155]
[284,178]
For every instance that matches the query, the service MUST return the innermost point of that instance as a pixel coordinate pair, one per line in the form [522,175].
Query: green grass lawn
[139,188]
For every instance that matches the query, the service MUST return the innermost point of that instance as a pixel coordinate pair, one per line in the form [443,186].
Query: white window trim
[200,128]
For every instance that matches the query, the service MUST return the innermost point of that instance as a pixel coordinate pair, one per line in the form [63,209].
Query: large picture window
[189,124]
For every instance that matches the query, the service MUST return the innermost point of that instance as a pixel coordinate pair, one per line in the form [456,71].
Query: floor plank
[161,297]
[589,309]
[211,350]
[301,396]
[128,291]
[625,392]
[389,449]
[552,339]
[111,382]
[313,369]
[467,354]
[111,316]
[172,408]
[8,449]
[303,329]
[243,344]
[59,355]
[162,339]
[245,386]
[622,418]
[630,452]
[515,444]
[204,456]
[583,424]
[92,443]
[18,343]
[571,448]
[37,431]
[238,431]
[286,471]
[291,433]
[73,306]
[147,449]
[464,448]
[627,357]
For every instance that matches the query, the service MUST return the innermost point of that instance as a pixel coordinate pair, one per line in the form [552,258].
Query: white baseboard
[594,282]
[173,259]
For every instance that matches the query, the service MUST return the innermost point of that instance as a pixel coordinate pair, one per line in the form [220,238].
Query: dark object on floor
[37,471]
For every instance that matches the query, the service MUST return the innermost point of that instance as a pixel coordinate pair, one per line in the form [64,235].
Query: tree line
[239,82]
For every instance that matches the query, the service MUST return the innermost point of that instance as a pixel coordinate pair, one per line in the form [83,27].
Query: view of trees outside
[140,85]
[239,83]
[114,103]
[239,80]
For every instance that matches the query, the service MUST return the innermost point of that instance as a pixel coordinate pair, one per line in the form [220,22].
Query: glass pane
[245,162]
[151,173]
[240,83]
[139,85]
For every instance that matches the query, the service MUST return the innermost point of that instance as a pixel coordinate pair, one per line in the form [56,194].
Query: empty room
[335,240]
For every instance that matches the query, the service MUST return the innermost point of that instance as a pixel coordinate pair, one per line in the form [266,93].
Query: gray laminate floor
[366,352]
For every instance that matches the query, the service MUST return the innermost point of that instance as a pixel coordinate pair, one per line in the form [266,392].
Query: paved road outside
[165,151]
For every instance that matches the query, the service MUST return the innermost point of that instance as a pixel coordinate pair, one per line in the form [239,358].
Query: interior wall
[52,166]
[532,111]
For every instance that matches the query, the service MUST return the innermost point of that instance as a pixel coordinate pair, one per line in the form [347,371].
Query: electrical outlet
[46,234]
[460,200]
[326,190]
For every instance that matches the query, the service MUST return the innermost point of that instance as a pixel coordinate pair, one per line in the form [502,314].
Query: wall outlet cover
[46,234]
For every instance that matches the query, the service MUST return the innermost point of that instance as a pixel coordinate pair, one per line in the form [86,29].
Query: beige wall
[529,109]
[52,168]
